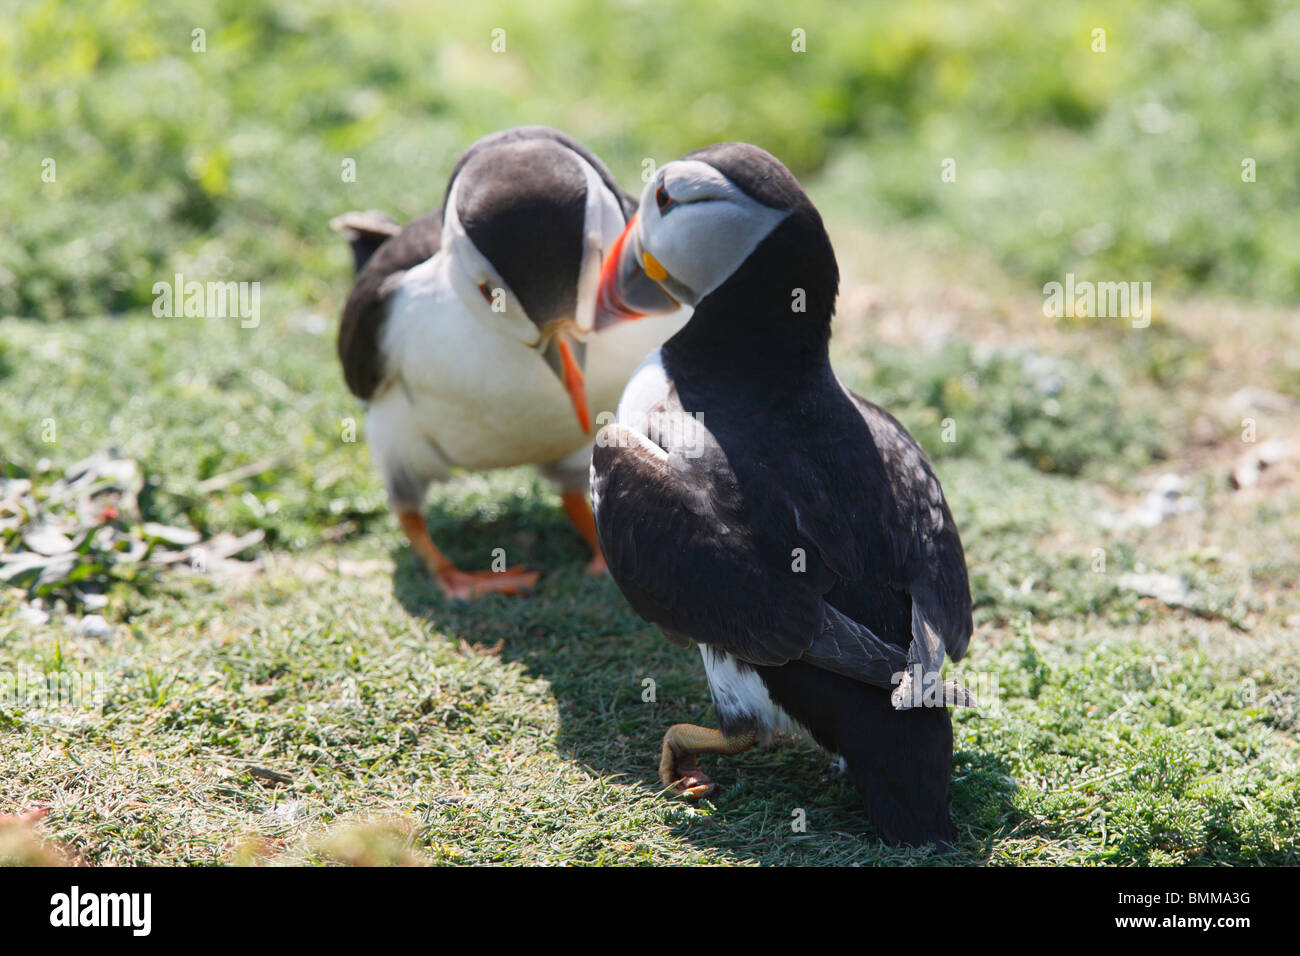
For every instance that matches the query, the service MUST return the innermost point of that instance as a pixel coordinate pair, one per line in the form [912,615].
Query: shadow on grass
[579,635]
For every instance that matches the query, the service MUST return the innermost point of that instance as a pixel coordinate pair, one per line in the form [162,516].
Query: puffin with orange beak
[474,338]
[751,505]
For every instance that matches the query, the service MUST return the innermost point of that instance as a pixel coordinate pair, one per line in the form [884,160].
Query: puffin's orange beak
[629,287]
[565,357]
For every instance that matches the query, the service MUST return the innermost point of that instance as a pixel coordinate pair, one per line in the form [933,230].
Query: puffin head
[728,216]
[527,217]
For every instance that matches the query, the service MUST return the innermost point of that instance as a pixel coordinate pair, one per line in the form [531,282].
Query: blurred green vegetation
[1123,164]
[1061,416]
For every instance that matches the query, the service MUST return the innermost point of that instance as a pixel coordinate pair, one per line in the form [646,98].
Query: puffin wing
[683,560]
[685,564]
[672,532]
[367,306]
[927,551]
[926,555]
[852,649]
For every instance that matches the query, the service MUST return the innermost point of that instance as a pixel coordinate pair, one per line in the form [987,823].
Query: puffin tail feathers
[365,232]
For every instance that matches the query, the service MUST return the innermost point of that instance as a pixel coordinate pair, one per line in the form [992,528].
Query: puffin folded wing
[941,605]
[853,650]
[683,559]
[366,310]
[924,659]
[927,554]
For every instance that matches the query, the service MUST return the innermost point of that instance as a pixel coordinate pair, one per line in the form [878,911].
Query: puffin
[749,503]
[470,337]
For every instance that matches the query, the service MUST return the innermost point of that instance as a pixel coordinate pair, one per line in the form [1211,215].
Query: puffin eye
[662,199]
[486,290]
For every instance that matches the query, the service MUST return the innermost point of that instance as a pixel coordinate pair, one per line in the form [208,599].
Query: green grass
[544,752]
[327,705]
[407,729]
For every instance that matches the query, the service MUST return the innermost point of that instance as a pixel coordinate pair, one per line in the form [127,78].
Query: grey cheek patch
[725,226]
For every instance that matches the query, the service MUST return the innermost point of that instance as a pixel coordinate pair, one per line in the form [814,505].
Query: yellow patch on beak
[652,267]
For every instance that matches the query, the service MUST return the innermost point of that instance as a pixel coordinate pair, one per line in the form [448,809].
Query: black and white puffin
[747,501]
[470,333]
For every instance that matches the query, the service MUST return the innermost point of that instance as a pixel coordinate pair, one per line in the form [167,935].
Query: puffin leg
[457,584]
[579,512]
[682,743]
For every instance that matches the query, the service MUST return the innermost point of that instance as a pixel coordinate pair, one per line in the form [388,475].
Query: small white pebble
[33,614]
[94,625]
[284,813]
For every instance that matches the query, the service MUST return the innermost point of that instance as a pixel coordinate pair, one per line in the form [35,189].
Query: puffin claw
[680,772]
